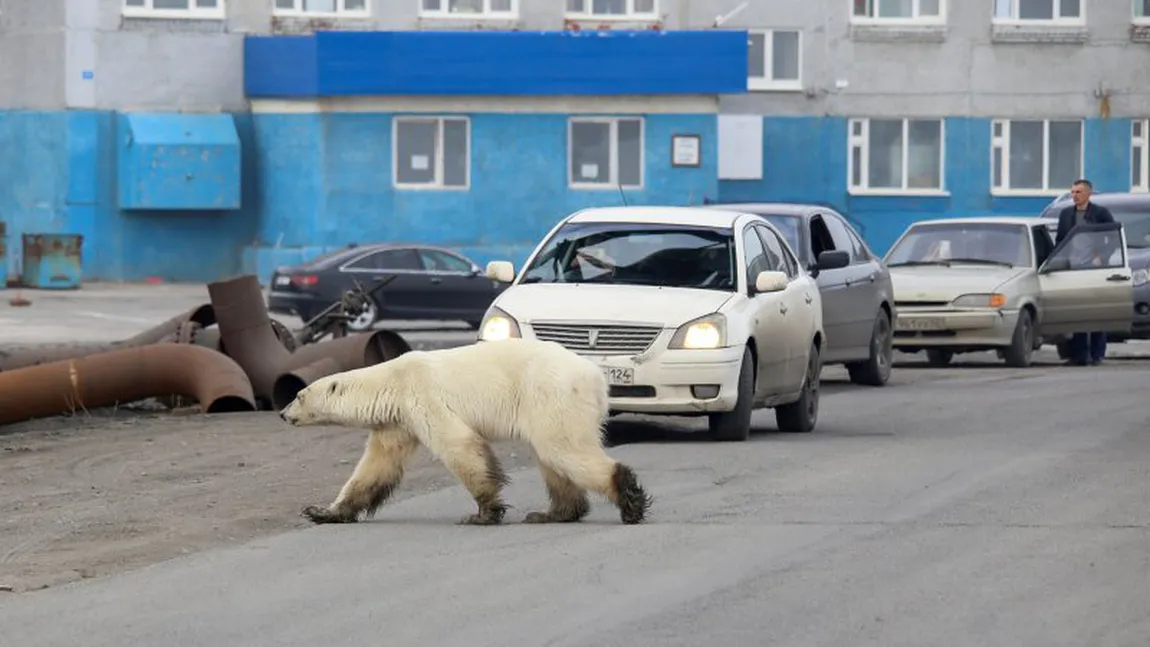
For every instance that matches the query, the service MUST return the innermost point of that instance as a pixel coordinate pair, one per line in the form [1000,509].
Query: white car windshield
[637,254]
[950,244]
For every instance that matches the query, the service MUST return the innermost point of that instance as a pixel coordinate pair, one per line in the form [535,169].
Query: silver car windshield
[950,244]
[658,255]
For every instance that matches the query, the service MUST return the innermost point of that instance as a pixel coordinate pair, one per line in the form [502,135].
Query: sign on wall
[740,147]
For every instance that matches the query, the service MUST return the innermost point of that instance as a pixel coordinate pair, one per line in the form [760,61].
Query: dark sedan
[431,283]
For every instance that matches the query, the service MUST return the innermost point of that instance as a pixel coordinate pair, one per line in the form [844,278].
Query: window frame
[613,153]
[1135,18]
[629,14]
[1140,149]
[1057,21]
[437,185]
[1002,142]
[487,14]
[340,12]
[918,19]
[219,12]
[862,141]
[768,83]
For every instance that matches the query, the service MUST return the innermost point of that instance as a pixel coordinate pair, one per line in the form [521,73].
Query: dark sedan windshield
[788,225]
[630,254]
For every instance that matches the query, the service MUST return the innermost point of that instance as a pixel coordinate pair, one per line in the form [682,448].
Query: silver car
[1000,283]
[858,301]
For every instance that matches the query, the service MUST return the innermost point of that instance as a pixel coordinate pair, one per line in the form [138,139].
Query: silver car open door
[1086,283]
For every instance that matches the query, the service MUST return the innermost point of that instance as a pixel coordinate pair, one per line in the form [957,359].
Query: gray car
[858,306]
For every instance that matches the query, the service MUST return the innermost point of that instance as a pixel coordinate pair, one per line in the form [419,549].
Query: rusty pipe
[211,337]
[314,361]
[246,331]
[122,376]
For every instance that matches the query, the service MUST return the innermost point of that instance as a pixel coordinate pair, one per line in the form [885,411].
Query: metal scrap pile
[227,355]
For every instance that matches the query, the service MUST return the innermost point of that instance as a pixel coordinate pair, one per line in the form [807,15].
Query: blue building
[202,138]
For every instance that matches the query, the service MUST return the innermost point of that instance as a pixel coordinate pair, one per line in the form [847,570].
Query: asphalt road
[957,507]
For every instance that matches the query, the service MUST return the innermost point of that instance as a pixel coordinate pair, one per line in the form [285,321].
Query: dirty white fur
[454,401]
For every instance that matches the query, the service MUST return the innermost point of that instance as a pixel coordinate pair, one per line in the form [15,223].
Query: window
[469,8]
[903,11]
[388,259]
[1038,10]
[437,261]
[320,7]
[842,239]
[1035,156]
[605,152]
[756,256]
[1142,11]
[896,155]
[1140,155]
[774,60]
[174,8]
[776,249]
[643,9]
[431,152]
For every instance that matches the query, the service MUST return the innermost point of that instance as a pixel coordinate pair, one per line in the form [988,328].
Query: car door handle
[783,308]
[1118,277]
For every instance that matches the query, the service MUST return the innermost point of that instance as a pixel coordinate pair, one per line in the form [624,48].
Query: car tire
[1017,354]
[801,415]
[875,370]
[735,425]
[939,357]
[366,321]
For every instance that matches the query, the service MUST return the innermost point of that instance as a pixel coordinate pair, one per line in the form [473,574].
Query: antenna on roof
[622,195]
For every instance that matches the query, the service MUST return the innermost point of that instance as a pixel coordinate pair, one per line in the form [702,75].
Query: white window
[431,152]
[174,8]
[1065,11]
[774,60]
[469,8]
[1142,11]
[638,9]
[1035,156]
[901,11]
[605,152]
[320,7]
[904,155]
[1140,155]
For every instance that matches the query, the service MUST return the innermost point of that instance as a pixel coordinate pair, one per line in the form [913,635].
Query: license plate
[921,323]
[619,376]
[282,280]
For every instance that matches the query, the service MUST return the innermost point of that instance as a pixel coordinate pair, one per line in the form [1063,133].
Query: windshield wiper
[984,261]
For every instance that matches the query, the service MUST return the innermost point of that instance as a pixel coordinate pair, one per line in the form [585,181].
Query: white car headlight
[1141,277]
[709,331]
[993,300]
[497,326]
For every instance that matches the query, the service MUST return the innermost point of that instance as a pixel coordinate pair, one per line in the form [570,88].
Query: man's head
[1081,191]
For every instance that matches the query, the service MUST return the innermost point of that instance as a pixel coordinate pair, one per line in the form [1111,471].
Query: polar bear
[454,401]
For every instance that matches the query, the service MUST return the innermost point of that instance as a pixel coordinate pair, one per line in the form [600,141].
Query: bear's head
[325,401]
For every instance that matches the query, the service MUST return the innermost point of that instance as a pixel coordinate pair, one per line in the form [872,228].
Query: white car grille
[601,340]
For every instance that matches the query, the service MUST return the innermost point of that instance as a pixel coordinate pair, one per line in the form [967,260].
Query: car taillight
[304,280]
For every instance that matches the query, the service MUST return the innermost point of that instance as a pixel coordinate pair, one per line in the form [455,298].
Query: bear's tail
[633,500]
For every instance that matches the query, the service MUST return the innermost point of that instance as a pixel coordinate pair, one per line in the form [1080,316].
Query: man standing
[1086,348]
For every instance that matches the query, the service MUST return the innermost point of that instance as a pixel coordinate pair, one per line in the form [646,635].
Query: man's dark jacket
[1095,214]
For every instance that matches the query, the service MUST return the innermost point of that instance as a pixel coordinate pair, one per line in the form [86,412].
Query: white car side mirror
[502,271]
[767,282]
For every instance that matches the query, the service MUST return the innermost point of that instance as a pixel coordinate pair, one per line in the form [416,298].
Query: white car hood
[667,307]
[941,283]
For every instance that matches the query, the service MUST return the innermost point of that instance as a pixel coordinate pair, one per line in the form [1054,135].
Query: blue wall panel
[341,191]
[178,161]
[498,63]
[805,159]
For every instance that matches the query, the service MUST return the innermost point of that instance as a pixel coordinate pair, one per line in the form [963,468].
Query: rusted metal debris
[256,362]
[123,376]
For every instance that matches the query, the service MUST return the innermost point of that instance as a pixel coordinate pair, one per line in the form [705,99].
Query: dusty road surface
[957,507]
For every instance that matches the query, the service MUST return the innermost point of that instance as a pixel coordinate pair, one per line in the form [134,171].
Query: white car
[689,311]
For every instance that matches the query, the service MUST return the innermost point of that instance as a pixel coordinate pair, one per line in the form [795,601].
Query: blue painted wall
[58,173]
[323,186]
[502,63]
[805,160]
